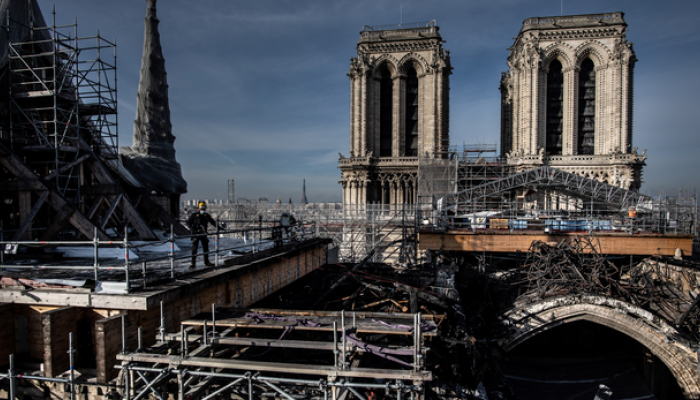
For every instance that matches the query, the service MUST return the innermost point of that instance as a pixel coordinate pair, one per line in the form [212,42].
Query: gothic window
[385,113]
[586,108]
[411,133]
[555,108]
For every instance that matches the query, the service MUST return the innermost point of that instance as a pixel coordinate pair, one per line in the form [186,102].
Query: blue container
[518,224]
[577,225]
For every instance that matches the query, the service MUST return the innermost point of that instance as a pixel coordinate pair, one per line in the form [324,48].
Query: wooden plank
[27,221]
[50,297]
[622,244]
[67,167]
[21,184]
[110,211]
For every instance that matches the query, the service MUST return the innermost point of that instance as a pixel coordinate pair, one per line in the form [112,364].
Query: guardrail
[278,235]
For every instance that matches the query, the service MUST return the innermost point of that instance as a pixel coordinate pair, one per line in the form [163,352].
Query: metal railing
[407,25]
[562,214]
[131,272]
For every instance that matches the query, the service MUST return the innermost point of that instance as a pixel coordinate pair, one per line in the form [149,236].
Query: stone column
[569,137]
[363,193]
[399,106]
[415,191]
[382,185]
[345,192]
[601,137]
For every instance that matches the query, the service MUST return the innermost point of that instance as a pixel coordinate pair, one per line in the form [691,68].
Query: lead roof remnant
[152,156]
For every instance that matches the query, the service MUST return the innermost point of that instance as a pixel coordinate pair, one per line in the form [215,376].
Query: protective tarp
[151,158]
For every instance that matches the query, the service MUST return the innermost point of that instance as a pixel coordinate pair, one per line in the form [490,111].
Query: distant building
[566,100]
[399,109]
[304,200]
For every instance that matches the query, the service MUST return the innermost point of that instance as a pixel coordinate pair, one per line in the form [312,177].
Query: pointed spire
[151,158]
[152,129]
[304,200]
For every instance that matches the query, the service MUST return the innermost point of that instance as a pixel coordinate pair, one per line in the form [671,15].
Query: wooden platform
[506,242]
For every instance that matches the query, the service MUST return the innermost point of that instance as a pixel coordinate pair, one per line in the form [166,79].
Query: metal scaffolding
[457,170]
[62,90]
[386,230]
[246,354]
[546,178]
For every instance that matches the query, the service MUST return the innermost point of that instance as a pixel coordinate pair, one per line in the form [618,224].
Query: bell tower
[399,111]
[567,98]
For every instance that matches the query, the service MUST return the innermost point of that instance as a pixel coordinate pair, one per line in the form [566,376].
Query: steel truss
[546,177]
[211,356]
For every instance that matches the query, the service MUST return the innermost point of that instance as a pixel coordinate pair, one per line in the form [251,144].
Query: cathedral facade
[399,110]
[566,100]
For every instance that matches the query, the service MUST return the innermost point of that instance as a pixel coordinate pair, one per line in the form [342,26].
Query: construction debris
[577,267]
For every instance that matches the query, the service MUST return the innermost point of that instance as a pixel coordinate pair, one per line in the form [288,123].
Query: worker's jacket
[198,222]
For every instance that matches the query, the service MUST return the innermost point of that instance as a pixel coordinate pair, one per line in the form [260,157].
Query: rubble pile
[578,268]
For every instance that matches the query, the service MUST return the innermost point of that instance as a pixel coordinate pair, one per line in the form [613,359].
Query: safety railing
[136,273]
[591,217]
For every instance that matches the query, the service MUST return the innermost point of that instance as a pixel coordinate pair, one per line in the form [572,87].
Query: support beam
[108,189]
[66,167]
[95,206]
[105,218]
[13,164]
[20,185]
[619,244]
[132,216]
[27,219]
[25,209]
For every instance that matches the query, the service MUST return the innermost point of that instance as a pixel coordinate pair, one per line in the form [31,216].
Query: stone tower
[399,110]
[567,98]
[152,157]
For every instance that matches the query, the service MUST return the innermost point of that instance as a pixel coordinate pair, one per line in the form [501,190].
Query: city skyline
[258,91]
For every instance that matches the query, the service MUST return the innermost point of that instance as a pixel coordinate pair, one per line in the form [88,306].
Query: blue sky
[259,92]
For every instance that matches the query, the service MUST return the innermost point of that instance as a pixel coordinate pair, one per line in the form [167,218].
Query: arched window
[586,108]
[555,108]
[386,93]
[411,133]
